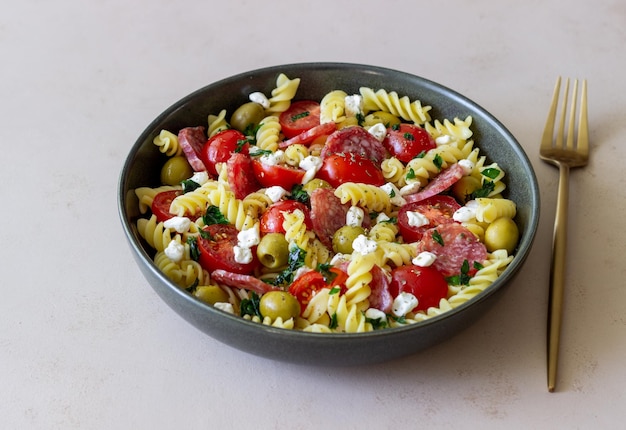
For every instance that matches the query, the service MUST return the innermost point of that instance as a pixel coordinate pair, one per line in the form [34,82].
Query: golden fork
[573,152]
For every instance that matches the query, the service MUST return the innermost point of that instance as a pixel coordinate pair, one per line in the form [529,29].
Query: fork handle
[557,275]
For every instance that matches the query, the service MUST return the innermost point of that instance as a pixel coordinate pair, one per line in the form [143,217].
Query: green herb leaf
[437,238]
[490,172]
[251,306]
[294,262]
[324,269]
[395,127]
[301,115]
[213,216]
[334,290]
[422,154]
[377,323]
[486,189]
[333,321]
[462,278]
[299,194]
[194,251]
[392,220]
[260,152]
[189,185]
[410,174]
[408,136]
[438,161]
[360,118]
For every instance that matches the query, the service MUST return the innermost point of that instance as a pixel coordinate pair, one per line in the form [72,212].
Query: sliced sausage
[191,140]
[328,214]
[355,140]
[444,180]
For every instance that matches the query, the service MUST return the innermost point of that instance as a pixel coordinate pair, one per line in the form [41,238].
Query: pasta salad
[352,213]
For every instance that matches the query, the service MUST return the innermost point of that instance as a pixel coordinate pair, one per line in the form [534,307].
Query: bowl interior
[142,168]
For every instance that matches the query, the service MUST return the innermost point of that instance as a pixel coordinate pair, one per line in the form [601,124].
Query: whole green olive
[380,117]
[503,233]
[273,250]
[247,116]
[175,170]
[343,238]
[275,304]
[314,184]
[211,294]
[464,187]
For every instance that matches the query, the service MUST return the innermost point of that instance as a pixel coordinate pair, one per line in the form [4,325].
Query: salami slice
[380,298]
[191,140]
[328,214]
[355,140]
[453,244]
[236,280]
[240,177]
[444,180]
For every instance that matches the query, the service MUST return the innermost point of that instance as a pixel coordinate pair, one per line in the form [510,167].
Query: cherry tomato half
[305,287]
[273,218]
[269,175]
[216,251]
[427,284]
[342,167]
[310,135]
[406,141]
[438,209]
[220,147]
[161,204]
[299,117]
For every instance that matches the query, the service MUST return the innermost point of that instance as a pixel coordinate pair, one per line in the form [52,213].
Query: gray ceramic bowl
[142,168]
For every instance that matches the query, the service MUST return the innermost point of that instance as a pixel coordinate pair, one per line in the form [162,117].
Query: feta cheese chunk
[311,164]
[276,192]
[249,237]
[260,98]
[379,131]
[242,255]
[224,306]
[175,251]
[273,159]
[375,314]
[443,140]
[411,188]
[424,259]
[403,304]
[355,216]
[466,213]
[179,223]
[200,178]
[363,245]
[416,219]
[394,194]
[353,105]
[468,166]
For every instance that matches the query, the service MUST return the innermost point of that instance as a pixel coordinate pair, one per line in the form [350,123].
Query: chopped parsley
[334,290]
[437,237]
[299,194]
[260,152]
[484,191]
[410,174]
[462,278]
[360,118]
[408,136]
[213,216]
[294,262]
[422,154]
[333,321]
[324,269]
[490,172]
[438,161]
[377,323]
[301,115]
[193,248]
[396,127]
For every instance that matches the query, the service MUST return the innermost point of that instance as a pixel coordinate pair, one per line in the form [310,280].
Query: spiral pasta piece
[359,278]
[489,209]
[268,134]
[367,196]
[332,107]
[168,143]
[294,154]
[398,254]
[154,232]
[194,202]
[392,103]
[283,94]
[217,123]
[233,209]
[349,318]
[459,130]
[383,231]
[394,171]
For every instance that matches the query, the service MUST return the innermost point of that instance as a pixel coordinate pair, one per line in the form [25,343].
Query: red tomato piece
[407,141]
[427,284]
[305,287]
[161,204]
[273,218]
[221,146]
[269,175]
[299,117]
[310,135]
[216,251]
[240,180]
[438,209]
[343,167]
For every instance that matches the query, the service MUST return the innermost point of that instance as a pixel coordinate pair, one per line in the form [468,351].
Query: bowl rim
[509,273]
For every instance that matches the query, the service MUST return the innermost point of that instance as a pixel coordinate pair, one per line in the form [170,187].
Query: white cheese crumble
[468,166]
[273,159]
[260,98]
[375,314]
[353,105]
[424,259]
[466,213]
[242,255]
[411,188]
[179,223]
[311,164]
[355,216]
[339,258]
[175,251]
[379,131]
[249,237]
[276,192]
[416,219]
[403,304]
[394,194]
[382,217]
[200,178]
[225,306]
[363,245]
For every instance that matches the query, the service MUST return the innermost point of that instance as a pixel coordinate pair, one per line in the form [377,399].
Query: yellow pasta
[168,143]
[392,103]
[489,210]
[268,134]
[370,197]
[282,95]
[217,123]
[332,107]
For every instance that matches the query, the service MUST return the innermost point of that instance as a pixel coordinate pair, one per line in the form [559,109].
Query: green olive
[211,294]
[464,187]
[273,250]
[314,184]
[503,233]
[275,304]
[343,238]
[385,118]
[175,170]
[247,116]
